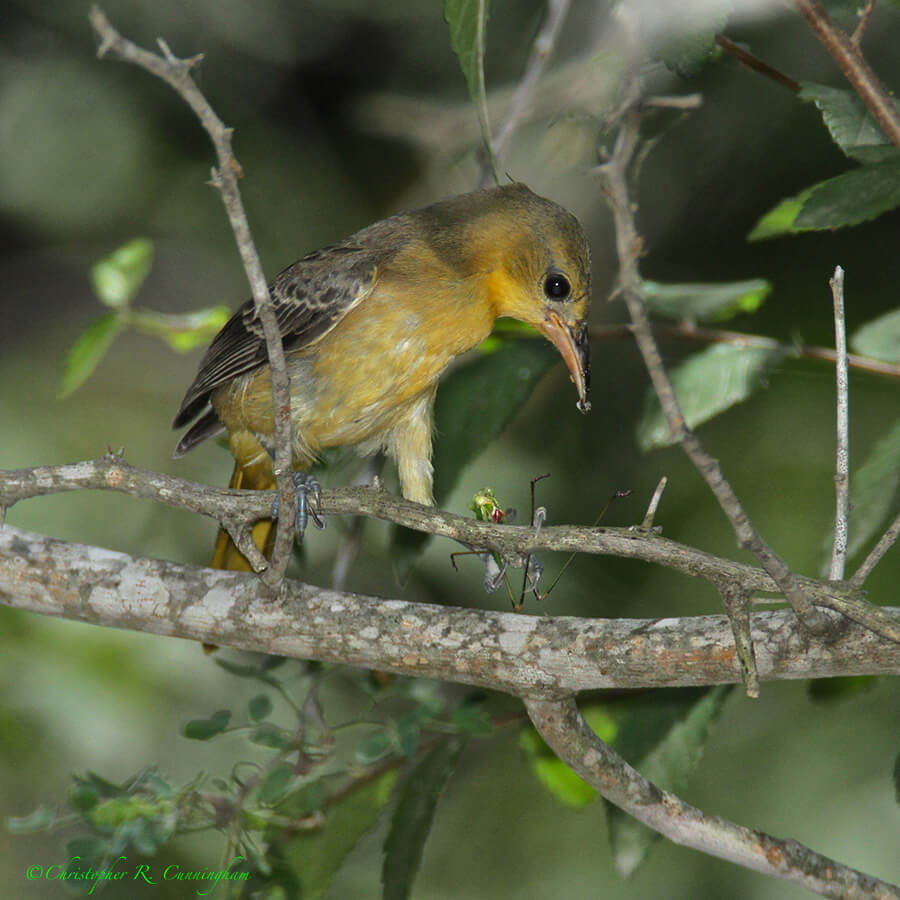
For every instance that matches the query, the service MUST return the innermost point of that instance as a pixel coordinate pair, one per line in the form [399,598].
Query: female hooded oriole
[370,323]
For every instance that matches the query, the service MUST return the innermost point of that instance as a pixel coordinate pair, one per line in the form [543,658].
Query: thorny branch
[242,508]
[629,246]
[177,73]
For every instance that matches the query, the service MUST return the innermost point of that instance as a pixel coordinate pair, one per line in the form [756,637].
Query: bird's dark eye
[557,286]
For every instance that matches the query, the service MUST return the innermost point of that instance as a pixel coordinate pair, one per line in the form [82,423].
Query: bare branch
[842,451]
[629,246]
[177,73]
[564,729]
[690,331]
[755,64]
[845,52]
[501,651]
[737,600]
[231,507]
[887,541]
[523,96]
[860,29]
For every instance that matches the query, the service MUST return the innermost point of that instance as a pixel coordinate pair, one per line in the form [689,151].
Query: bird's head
[539,272]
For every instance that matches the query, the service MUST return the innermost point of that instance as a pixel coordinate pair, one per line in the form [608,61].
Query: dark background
[95,153]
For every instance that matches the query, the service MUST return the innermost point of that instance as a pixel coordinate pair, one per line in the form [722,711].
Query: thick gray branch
[562,726]
[519,654]
[236,507]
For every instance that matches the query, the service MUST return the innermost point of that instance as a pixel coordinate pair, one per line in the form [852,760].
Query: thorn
[654,503]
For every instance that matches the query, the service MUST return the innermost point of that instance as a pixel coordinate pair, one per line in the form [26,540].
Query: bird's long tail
[252,471]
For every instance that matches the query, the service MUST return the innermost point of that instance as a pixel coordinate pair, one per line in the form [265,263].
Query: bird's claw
[307,488]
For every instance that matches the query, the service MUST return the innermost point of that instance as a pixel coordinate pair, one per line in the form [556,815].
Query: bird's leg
[307,488]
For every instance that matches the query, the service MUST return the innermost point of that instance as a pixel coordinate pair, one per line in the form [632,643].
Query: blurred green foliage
[344,112]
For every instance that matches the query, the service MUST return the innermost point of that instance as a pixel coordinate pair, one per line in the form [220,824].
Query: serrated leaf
[313,857]
[474,405]
[39,820]
[679,729]
[468,25]
[780,220]
[414,815]
[555,776]
[706,302]
[849,122]
[275,785]
[88,350]
[880,338]
[259,707]
[856,196]
[118,277]
[204,729]
[706,384]
[875,490]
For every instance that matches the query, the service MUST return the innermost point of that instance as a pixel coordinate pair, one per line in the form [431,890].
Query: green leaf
[875,490]
[468,25]
[880,338]
[276,785]
[688,43]
[42,818]
[374,747]
[849,122]
[780,220]
[706,302]
[259,707]
[473,718]
[553,773]
[674,731]
[87,352]
[118,277]
[706,384]
[313,857]
[856,196]
[204,729]
[272,736]
[414,815]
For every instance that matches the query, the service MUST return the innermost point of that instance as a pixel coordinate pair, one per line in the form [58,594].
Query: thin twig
[650,515]
[888,539]
[737,601]
[860,29]
[565,731]
[629,247]
[842,452]
[541,51]
[755,64]
[177,73]
[857,71]
[689,330]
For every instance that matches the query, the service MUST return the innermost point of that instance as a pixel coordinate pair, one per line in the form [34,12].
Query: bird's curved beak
[572,342]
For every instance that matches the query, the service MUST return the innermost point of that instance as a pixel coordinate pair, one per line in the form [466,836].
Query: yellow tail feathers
[252,471]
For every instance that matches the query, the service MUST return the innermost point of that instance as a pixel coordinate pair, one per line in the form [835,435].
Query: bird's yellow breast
[369,374]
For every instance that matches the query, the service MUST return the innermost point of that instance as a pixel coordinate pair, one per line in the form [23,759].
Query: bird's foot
[307,488]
